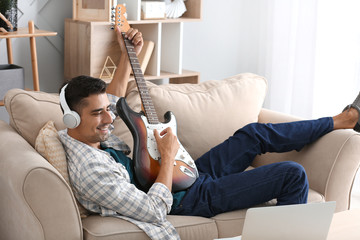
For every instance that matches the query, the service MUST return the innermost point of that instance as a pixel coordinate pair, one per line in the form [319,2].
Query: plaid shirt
[103,186]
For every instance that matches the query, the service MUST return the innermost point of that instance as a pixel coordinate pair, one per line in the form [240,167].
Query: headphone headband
[63,102]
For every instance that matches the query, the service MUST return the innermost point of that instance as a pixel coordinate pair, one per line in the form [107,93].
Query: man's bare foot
[349,118]
[346,119]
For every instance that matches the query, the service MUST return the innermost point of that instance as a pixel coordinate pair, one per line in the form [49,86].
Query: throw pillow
[49,146]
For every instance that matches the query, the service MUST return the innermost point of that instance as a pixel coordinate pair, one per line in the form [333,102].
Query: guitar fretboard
[146,101]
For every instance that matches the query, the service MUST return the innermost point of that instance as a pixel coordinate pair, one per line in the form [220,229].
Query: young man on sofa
[103,177]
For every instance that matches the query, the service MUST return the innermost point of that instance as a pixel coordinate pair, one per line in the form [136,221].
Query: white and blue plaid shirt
[103,186]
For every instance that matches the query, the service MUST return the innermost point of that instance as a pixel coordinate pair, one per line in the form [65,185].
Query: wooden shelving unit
[30,33]
[88,43]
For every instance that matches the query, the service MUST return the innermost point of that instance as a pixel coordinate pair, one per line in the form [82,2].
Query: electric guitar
[146,156]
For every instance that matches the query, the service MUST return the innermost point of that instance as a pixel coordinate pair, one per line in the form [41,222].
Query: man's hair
[80,88]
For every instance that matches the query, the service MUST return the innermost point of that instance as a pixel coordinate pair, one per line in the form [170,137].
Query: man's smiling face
[96,119]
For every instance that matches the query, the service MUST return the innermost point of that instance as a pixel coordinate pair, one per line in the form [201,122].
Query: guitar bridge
[186,171]
[181,155]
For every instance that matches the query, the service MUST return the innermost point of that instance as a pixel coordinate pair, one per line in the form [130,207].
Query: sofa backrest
[206,113]
[29,111]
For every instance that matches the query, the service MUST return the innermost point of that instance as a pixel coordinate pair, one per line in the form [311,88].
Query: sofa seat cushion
[231,223]
[106,228]
[189,227]
[315,197]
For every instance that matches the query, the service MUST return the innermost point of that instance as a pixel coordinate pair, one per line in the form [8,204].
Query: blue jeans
[223,185]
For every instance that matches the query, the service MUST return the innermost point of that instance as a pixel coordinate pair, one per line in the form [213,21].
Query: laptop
[291,222]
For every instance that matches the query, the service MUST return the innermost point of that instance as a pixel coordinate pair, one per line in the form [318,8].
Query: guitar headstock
[119,18]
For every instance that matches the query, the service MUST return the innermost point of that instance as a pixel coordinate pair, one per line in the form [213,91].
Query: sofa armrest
[270,116]
[35,202]
[331,162]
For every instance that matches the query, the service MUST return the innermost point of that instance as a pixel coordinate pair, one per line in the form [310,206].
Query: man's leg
[237,152]
[285,181]
[224,186]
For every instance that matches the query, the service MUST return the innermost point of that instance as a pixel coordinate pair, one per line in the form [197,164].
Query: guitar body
[146,157]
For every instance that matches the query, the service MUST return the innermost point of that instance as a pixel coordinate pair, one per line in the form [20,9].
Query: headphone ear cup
[71,119]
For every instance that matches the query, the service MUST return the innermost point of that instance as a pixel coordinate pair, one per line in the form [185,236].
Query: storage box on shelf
[153,10]
[193,12]
[100,10]
[89,43]
[92,10]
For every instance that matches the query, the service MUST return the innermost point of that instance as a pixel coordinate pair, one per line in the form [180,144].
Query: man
[104,181]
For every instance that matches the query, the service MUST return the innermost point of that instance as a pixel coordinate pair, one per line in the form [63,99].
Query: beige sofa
[37,203]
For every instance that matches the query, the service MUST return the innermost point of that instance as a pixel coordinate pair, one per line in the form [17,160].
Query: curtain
[310,54]
[337,68]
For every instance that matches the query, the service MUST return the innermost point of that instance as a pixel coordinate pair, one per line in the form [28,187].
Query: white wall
[307,49]
[226,41]
[234,36]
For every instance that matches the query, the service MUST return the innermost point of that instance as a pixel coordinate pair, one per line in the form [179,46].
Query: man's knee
[297,173]
[251,132]
[296,183]
[250,129]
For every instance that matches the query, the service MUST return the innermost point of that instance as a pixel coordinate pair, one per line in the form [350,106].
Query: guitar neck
[146,101]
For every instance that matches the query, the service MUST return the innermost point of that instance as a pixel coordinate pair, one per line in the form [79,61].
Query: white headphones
[71,119]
